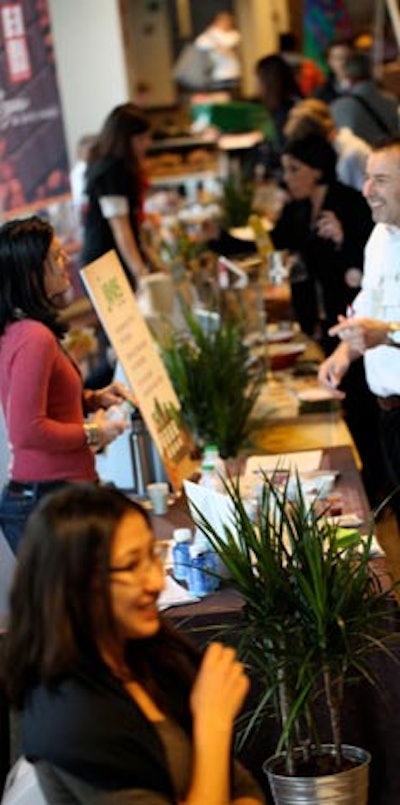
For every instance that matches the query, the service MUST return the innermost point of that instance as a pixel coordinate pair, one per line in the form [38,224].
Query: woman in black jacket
[325,225]
[117,706]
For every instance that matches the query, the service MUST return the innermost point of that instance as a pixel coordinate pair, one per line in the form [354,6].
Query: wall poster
[34,167]
[324,20]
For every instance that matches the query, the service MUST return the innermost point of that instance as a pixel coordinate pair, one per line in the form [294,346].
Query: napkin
[174,595]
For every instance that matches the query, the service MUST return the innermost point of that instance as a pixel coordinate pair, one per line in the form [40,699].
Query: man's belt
[389,403]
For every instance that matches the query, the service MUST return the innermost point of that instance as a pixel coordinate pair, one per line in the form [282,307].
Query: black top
[268,153]
[327,267]
[89,726]
[329,91]
[87,733]
[108,177]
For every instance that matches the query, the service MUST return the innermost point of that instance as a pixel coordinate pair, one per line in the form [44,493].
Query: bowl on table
[284,355]
[280,332]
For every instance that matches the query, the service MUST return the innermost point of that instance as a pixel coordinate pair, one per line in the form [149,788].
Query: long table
[338,457]
[372,714]
[203,620]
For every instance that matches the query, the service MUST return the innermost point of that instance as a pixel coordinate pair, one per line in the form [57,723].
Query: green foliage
[237,201]
[215,384]
[181,245]
[313,612]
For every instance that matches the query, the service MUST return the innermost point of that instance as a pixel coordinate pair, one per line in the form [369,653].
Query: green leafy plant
[237,201]
[313,611]
[215,382]
[181,244]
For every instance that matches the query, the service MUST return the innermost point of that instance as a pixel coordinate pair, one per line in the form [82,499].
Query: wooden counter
[279,427]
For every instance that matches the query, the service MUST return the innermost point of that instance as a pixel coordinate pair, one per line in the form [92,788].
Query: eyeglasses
[59,255]
[138,569]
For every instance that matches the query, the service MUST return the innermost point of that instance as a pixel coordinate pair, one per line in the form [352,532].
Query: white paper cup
[158,494]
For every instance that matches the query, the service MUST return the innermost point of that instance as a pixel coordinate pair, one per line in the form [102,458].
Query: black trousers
[390,440]
[362,415]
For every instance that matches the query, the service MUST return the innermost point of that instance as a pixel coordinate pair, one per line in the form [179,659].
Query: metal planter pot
[344,788]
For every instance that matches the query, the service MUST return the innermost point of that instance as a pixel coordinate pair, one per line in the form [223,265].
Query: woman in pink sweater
[41,391]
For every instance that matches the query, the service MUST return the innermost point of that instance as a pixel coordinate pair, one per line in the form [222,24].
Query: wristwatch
[394,333]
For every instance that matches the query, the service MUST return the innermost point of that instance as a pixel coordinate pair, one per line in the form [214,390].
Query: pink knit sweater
[41,395]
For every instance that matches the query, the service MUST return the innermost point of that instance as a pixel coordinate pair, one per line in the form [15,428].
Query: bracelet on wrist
[92,433]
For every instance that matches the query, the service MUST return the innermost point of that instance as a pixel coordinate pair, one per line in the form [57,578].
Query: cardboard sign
[118,311]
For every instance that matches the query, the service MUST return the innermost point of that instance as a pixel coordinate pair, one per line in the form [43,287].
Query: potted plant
[215,381]
[237,201]
[313,613]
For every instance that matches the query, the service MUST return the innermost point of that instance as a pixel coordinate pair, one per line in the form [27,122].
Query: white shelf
[183,178]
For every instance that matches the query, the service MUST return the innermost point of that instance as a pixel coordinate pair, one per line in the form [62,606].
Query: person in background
[312,116]
[308,75]
[337,82]
[142,97]
[368,111]
[326,225]
[117,705]
[77,179]
[40,387]
[279,92]
[221,41]
[373,330]
[115,185]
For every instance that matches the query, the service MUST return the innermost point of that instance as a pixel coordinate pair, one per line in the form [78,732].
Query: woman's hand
[114,394]
[217,696]
[329,227]
[107,429]
[219,690]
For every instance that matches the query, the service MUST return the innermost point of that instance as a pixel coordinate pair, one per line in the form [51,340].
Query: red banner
[34,167]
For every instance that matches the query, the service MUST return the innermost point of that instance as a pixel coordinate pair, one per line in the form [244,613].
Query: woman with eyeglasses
[117,707]
[41,390]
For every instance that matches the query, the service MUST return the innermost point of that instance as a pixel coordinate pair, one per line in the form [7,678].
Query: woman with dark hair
[336,84]
[114,186]
[279,92]
[118,707]
[40,386]
[326,225]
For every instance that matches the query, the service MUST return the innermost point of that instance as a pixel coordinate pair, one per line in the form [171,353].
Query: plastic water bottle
[211,456]
[208,561]
[209,478]
[277,271]
[212,469]
[180,553]
[202,566]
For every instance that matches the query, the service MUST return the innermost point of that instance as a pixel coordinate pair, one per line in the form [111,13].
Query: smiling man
[373,329]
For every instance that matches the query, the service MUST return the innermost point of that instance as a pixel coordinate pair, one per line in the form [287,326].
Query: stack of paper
[174,595]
